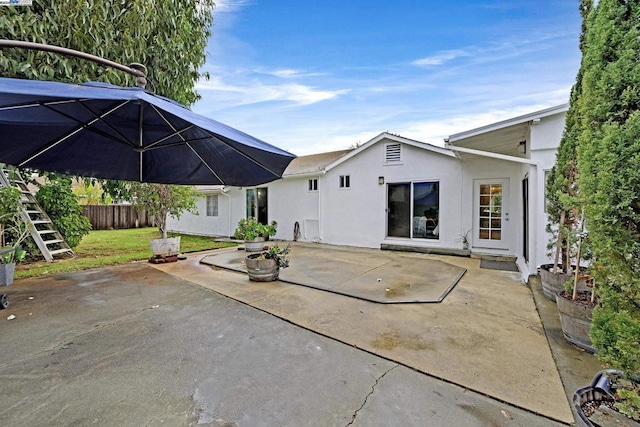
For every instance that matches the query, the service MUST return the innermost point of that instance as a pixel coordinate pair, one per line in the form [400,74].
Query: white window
[212,205]
[345,181]
[313,184]
[393,153]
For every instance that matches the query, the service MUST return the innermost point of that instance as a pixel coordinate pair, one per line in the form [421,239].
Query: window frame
[344,182]
[210,211]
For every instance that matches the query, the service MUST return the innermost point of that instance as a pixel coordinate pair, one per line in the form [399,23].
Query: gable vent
[393,153]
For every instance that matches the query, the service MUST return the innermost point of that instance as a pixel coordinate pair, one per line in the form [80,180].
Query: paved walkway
[486,335]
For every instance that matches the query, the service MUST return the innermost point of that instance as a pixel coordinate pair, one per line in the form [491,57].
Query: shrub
[59,202]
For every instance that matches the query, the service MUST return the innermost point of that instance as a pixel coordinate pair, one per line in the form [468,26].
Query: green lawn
[110,247]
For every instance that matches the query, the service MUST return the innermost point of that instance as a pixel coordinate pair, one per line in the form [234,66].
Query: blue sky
[314,76]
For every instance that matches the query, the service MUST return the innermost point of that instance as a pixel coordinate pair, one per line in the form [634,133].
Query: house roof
[390,137]
[314,163]
[502,137]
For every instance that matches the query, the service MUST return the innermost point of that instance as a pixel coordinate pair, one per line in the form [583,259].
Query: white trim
[492,155]
[509,122]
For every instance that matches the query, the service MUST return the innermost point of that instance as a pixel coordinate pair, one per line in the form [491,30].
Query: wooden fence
[110,217]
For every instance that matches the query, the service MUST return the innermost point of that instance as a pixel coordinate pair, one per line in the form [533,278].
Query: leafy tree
[609,180]
[162,200]
[62,206]
[167,36]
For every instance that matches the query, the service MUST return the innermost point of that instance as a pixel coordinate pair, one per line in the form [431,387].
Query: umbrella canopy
[106,131]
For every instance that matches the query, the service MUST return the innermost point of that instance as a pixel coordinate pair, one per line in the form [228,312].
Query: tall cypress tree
[609,179]
[562,189]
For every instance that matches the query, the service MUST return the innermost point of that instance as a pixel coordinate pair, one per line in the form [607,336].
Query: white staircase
[48,239]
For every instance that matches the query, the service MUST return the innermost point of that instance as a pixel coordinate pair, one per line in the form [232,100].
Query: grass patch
[110,247]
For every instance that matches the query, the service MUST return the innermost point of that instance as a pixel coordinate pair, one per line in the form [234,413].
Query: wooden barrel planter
[261,270]
[575,319]
[552,283]
[255,245]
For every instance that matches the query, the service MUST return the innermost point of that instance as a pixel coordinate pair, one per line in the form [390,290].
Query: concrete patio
[152,344]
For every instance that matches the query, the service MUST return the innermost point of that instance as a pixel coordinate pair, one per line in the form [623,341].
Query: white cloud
[253,92]
[440,58]
[288,73]
[226,6]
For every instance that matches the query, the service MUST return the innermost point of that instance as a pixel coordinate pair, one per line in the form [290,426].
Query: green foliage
[280,255]
[90,193]
[167,36]
[250,228]
[13,229]
[162,200]
[608,164]
[59,202]
[563,195]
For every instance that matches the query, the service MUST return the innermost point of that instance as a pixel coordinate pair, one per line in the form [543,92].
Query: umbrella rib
[179,134]
[69,135]
[212,135]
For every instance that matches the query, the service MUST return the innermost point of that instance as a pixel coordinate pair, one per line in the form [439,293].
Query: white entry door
[491,213]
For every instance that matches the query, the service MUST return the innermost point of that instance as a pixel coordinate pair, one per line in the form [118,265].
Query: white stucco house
[394,193]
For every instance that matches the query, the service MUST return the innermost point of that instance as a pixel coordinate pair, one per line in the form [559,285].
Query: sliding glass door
[413,210]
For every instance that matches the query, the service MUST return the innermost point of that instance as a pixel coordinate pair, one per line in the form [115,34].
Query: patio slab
[131,345]
[380,279]
[486,336]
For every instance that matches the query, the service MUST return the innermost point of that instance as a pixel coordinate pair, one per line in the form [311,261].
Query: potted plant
[13,230]
[254,233]
[575,305]
[265,266]
[603,402]
[160,201]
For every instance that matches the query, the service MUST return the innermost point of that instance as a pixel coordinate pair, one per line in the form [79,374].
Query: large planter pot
[552,283]
[597,391]
[261,270]
[255,245]
[575,319]
[6,273]
[165,247]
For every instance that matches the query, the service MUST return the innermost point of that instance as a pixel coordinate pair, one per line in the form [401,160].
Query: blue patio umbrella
[106,131]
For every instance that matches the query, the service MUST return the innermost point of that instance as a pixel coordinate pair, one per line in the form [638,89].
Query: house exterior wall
[357,216]
[290,201]
[202,224]
[545,139]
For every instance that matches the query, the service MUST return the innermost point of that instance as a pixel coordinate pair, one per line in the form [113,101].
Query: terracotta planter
[552,283]
[575,319]
[255,245]
[261,270]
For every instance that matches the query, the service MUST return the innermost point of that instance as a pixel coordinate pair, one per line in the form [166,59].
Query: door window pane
[257,204]
[399,210]
[490,212]
[426,210]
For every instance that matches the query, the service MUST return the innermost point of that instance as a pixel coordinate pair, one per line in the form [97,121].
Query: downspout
[319,209]
[229,208]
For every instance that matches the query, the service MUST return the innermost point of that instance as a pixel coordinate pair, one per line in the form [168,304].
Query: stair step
[60,251]
[51,242]
[46,231]
[41,221]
